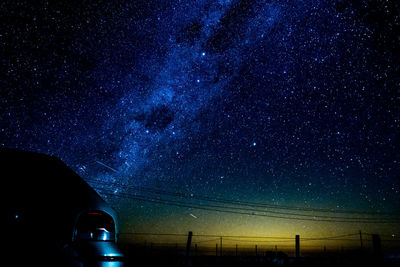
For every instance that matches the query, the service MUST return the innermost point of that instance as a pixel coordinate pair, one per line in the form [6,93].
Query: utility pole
[297,246]
[361,242]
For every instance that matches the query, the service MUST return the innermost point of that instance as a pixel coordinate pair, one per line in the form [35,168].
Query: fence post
[189,243]
[216,249]
[297,246]
[236,250]
[195,249]
[361,242]
[256,251]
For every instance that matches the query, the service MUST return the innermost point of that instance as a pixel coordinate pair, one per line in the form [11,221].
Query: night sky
[292,103]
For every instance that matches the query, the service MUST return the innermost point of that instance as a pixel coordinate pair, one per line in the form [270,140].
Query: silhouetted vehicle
[51,217]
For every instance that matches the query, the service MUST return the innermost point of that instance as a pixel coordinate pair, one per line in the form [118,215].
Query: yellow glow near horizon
[233,227]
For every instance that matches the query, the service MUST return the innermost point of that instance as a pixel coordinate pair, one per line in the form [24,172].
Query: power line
[314,218]
[277,212]
[227,209]
[245,203]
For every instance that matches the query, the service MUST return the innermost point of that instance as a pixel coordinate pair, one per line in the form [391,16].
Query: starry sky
[292,103]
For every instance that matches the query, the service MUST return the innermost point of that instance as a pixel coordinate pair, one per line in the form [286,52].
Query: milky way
[289,102]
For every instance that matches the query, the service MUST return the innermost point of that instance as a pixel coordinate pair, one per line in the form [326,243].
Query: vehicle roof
[41,190]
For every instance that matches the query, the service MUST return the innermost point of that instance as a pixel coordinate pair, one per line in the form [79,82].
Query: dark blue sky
[284,102]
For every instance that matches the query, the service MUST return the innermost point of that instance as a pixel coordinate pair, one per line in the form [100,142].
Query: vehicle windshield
[96,225]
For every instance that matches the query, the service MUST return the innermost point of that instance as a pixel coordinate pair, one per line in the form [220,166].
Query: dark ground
[140,256]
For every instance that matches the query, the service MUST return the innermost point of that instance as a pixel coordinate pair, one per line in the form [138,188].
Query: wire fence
[225,245]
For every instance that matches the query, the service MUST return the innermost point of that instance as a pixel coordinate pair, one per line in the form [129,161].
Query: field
[175,255]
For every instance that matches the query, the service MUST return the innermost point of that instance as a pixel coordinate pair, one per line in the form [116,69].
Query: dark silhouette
[52,217]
